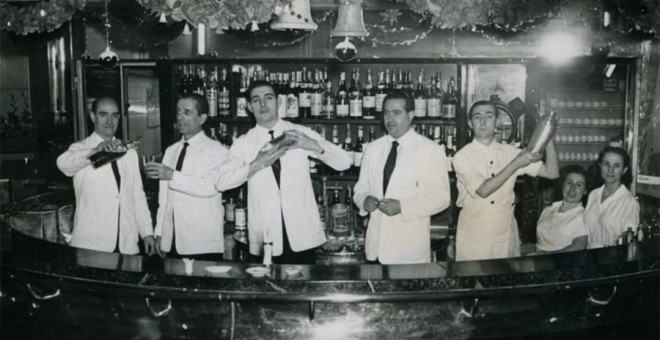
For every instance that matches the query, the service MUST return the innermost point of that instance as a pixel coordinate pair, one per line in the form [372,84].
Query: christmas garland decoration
[502,14]
[44,16]
[394,27]
[217,15]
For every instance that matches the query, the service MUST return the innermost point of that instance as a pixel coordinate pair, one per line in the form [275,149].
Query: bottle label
[241,218]
[305,99]
[291,106]
[241,107]
[433,107]
[281,105]
[380,97]
[317,104]
[420,107]
[355,108]
[223,103]
[449,111]
[357,158]
[342,110]
[369,102]
[340,219]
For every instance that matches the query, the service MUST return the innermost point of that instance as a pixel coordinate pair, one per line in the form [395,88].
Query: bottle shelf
[584,108]
[581,143]
[308,121]
[582,126]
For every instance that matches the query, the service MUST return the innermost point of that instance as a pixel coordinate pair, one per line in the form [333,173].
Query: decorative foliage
[643,13]
[134,25]
[394,27]
[503,14]
[44,16]
[217,15]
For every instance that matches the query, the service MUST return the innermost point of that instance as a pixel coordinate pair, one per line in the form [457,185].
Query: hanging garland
[44,16]
[503,14]
[217,15]
[394,27]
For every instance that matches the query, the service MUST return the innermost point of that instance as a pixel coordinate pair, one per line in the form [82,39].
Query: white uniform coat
[487,228]
[607,220]
[98,201]
[420,183]
[190,200]
[294,200]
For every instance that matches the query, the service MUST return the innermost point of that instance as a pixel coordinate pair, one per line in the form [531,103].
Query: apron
[486,234]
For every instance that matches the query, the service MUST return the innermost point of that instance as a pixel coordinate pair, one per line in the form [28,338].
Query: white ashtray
[293,270]
[217,269]
[258,271]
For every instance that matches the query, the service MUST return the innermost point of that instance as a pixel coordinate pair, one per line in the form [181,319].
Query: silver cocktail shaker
[543,132]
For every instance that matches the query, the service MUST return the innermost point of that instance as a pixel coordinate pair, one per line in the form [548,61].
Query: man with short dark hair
[486,173]
[281,204]
[111,207]
[190,216]
[403,181]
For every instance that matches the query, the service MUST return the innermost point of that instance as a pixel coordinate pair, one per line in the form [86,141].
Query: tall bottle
[224,101]
[358,150]
[369,98]
[450,151]
[282,92]
[292,98]
[340,216]
[199,86]
[240,212]
[348,144]
[450,102]
[304,94]
[381,93]
[182,82]
[420,96]
[434,102]
[317,96]
[212,93]
[241,98]
[342,108]
[355,97]
[328,101]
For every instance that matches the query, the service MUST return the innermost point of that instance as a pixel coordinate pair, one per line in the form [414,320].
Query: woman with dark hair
[612,208]
[561,225]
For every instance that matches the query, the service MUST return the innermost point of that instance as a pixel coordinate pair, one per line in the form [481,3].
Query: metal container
[543,132]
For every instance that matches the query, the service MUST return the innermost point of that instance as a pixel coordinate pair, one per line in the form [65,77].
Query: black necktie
[115,171]
[389,166]
[276,166]
[182,155]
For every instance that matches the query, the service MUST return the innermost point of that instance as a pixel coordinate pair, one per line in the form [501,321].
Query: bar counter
[53,291]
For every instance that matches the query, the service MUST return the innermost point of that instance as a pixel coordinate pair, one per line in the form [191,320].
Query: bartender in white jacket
[418,187]
[111,207]
[486,173]
[190,215]
[285,212]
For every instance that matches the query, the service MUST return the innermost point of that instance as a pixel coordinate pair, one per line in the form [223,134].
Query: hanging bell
[350,22]
[298,17]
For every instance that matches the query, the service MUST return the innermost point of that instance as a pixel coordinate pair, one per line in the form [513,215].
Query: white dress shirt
[421,185]
[607,220]
[294,200]
[98,202]
[189,204]
[556,229]
[487,227]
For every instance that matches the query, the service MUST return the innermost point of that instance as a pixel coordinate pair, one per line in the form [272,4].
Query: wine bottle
[304,94]
[450,102]
[381,93]
[339,215]
[434,102]
[328,101]
[240,212]
[358,151]
[292,98]
[317,96]
[348,145]
[241,98]
[224,102]
[282,91]
[369,98]
[102,158]
[342,108]
[212,93]
[355,97]
[420,96]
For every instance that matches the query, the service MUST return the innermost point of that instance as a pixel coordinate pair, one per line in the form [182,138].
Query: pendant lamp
[108,59]
[298,17]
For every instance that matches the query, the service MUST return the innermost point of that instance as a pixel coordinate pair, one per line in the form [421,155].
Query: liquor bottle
[420,96]
[240,212]
[408,85]
[104,157]
[381,93]
[434,102]
[429,132]
[450,101]
[230,208]
[398,82]
[241,98]
[282,94]
[317,96]
[348,144]
[335,135]
[190,80]
[339,216]
[372,134]
[359,149]
[328,101]
[292,98]
[342,98]
[182,81]
[304,94]
[224,102]
[199,87]
[213,135]
[369,98]
[355,97]
[212,93]
[450,151]
[436,135]
[388,82]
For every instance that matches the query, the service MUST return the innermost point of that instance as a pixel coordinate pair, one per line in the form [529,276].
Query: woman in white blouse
[612,208]
[561,225]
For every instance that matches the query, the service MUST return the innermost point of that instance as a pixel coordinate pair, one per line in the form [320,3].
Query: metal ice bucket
[47,216]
